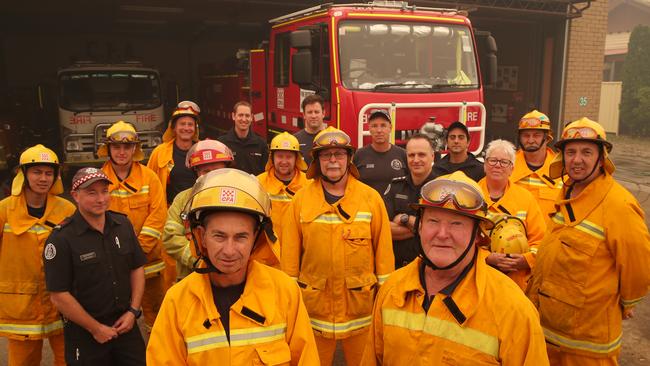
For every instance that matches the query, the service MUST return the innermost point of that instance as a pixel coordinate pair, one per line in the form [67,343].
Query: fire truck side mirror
[302,59]
[487,52]
[300,39]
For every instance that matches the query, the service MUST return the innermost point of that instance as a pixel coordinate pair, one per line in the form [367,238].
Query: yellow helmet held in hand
[184,108]
[286,142]
[326,139]
[121,132]
[37,155]
[583,129]
[508,235]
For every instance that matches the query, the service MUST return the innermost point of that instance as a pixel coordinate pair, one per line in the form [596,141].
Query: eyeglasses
[504,163]
[580,133]
[186,104]
[339,155]
[443,192]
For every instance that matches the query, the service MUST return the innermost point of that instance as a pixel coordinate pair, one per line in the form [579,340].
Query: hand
[104,333]
[628,313]
[518,261]
[124,323]
[396,219]
[501,262]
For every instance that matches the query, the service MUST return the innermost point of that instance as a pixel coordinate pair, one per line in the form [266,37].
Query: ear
[200,230]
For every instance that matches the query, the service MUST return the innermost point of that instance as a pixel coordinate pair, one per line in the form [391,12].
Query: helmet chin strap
[433,266]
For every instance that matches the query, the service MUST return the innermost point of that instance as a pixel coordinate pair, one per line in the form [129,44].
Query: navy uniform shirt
[251,153]
[378,169]
[398,196]
[306,142]
[94,267]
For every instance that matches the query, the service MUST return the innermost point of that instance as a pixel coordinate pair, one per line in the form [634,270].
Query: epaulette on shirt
[398,179]
[117,213]
[63,223]
[394,180]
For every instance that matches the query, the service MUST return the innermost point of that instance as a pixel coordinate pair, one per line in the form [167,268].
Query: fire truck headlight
[155,141]
[73,144]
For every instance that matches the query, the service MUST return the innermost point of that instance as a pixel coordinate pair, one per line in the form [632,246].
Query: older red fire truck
[419,64]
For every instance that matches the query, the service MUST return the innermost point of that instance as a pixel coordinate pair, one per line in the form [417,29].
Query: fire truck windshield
[82,91]
[406,57]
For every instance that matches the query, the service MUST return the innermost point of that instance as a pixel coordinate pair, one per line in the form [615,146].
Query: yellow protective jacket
[177,240]
[268,324]
[593,263]
[517,201]
[161,162]
[280,194]
[141,198]
[501,325]
[338,253]
[539,183]
[25,308]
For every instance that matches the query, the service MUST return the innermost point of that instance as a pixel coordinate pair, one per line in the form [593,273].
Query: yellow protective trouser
[559,358]
[28,352]
[169,273]
[352,348]
[152,298]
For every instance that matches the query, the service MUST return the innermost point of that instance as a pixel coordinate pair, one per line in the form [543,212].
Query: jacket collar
[493,205]
[314,194]
[80,224]
[521,169]
[20,220]
[275,186]
[587,201]
[256,298]
[166,154]
[133,183]
[467,296]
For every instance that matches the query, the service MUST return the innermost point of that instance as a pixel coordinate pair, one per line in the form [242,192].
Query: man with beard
[533,160]
[458,158]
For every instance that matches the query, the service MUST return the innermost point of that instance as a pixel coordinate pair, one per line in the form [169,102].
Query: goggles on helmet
[189,106]
[125,137]
[444,193]
[334,138]
[525,123]
[580,133]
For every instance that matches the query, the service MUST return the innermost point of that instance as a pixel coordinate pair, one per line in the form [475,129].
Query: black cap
[459,126]
[379,113]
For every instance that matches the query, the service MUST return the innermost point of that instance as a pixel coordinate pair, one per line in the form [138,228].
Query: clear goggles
[580,133]
[124,137]
[335,138]
[444,192]
[532,123]
[189,106]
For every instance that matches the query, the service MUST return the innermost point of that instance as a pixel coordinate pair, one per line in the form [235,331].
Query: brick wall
[585,58]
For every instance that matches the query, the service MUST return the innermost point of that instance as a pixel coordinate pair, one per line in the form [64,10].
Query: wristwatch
[404,219]
[136,312]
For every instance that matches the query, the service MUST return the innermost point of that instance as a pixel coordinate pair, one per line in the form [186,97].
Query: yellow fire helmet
[37,155]
[536,120]
[583,129]
[286,142]
[326,139]
[508,235]
[121,132]
[455,192]
[208,151]
[184,108]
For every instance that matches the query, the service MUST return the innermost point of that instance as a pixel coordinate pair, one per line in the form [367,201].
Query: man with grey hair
[502,197]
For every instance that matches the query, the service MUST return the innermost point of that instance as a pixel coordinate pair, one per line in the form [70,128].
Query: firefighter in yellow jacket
[448,307]
[27,217]
[336,242]
[593,265]
[533,160]
[167,161]
[503,197]
[283,176]
[233,310]
[136,192]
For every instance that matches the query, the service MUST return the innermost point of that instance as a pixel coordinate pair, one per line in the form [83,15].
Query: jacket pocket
[17,299]
[360,294]
[139,201]
[277,353]
[559,306]
[457,357]
[358,249]
[574,258]
[314,296]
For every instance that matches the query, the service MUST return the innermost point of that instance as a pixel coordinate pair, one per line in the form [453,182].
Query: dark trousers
[81,349]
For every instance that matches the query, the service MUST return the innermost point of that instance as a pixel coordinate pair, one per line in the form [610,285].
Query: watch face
[404,219]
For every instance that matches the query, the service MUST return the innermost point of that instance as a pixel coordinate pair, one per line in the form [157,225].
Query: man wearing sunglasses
[458,157]
[336,242]
[448,306]
[593,265]
[533,159]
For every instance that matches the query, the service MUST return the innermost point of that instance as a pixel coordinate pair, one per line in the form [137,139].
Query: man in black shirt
[402,192]
[381,161]
[458,158]
[94,271]
[250,150]
[313,114]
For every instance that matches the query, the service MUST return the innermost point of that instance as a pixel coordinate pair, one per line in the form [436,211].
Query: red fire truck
[419,64]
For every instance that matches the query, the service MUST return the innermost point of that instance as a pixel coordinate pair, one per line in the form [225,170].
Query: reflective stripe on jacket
[593,262]
[268,324]
[338,253]
[280,194]
[161,162]
[517,201]
[25,308]
[140,197]
[539,183]
[501,326]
